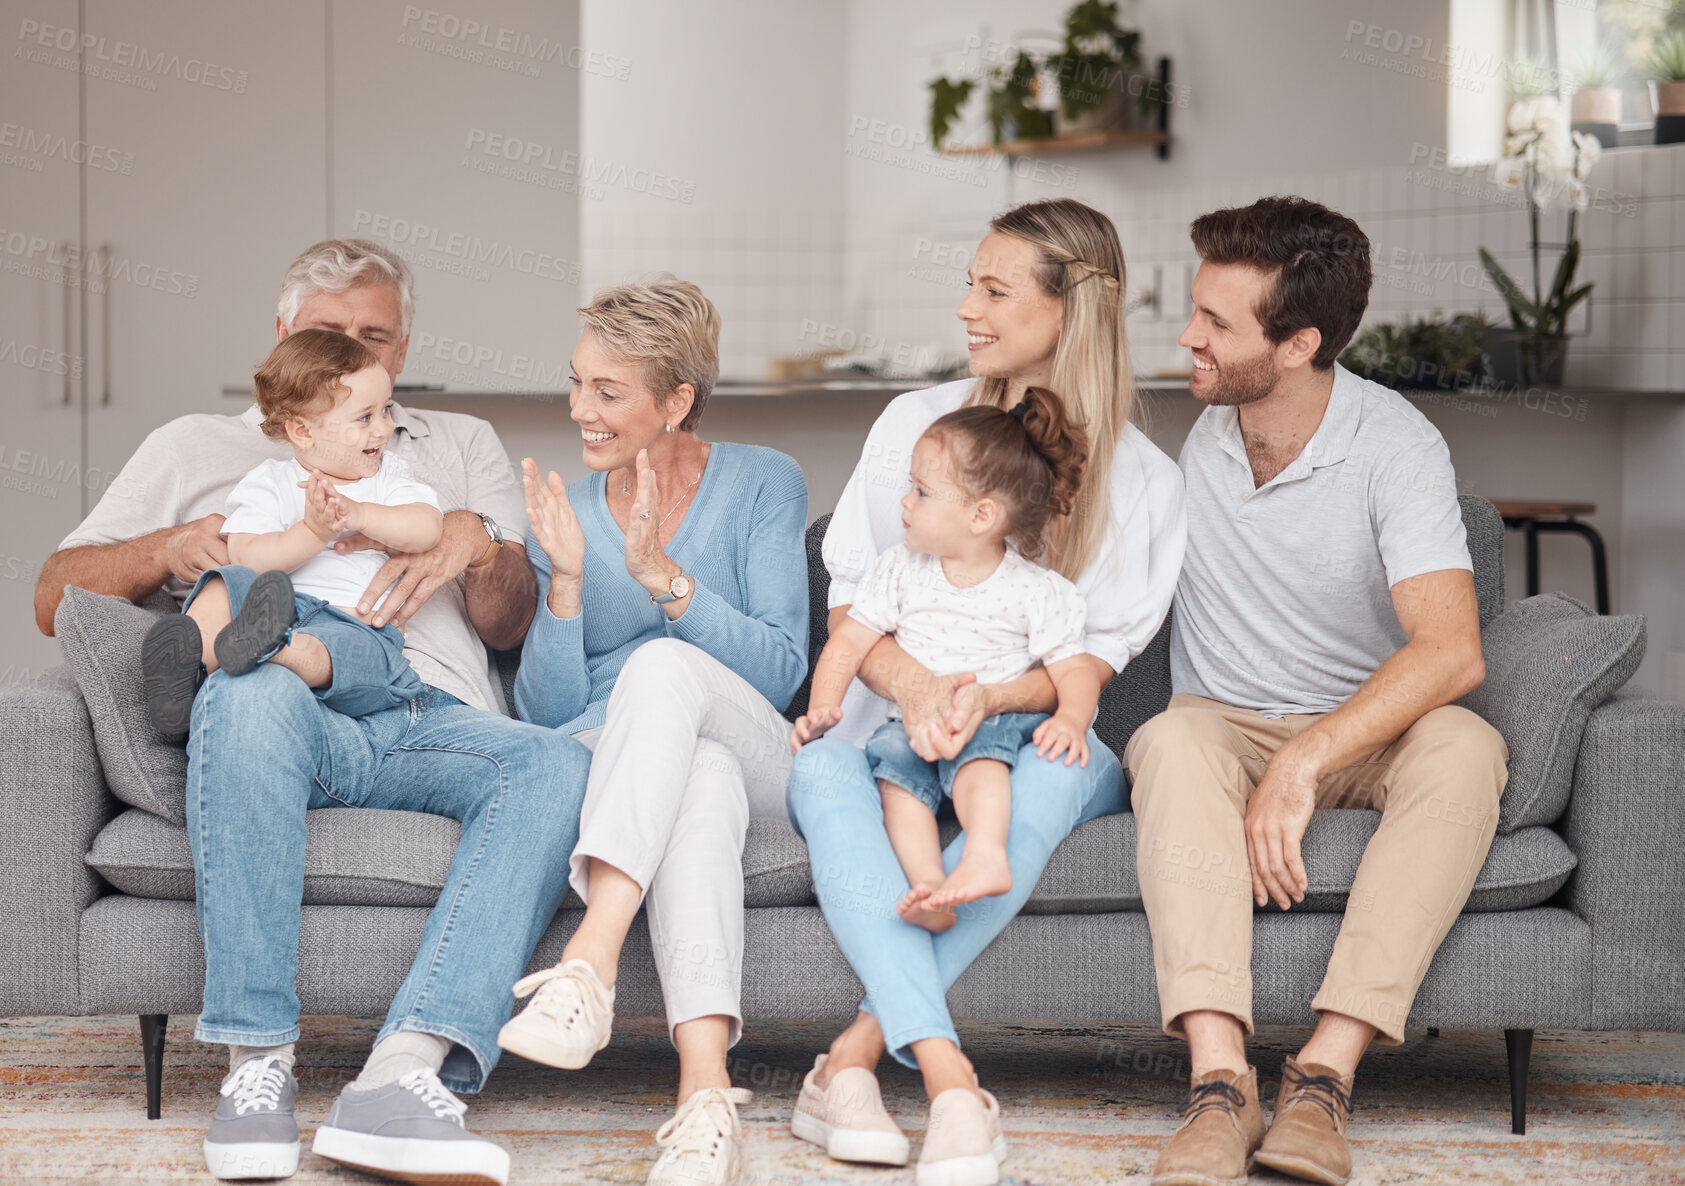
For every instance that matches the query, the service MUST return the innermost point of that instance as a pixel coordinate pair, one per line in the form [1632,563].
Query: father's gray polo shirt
[1284,604]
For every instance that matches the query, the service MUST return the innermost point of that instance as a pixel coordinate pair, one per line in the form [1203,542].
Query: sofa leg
[1520,1046]
[152,1026]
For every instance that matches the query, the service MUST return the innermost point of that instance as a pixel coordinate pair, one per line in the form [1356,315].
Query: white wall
[729,120]
[818,216]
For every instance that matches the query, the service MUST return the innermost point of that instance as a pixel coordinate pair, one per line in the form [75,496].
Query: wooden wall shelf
[1158,138]
[1080,142]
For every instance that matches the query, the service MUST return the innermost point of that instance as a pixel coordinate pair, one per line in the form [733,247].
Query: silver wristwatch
[678,587]
[495,534]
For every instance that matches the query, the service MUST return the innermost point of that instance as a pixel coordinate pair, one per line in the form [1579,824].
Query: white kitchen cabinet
[44,482]
[455,141]
[222,106]
[162,163]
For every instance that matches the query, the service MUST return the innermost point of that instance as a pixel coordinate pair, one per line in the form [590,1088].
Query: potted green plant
[1549,164]
[1667,75]
[1094,68]
[1596,108]
[1011,101]
[1432,353]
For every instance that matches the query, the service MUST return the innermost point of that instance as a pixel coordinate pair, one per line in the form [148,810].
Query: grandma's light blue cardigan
[742,543]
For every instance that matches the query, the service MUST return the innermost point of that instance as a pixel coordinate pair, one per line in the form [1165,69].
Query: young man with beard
[1325,621]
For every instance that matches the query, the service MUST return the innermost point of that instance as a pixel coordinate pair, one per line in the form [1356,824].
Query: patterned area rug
[1081,1104]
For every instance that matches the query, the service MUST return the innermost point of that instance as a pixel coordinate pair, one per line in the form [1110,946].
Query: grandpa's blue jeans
[263,750]
[907,971]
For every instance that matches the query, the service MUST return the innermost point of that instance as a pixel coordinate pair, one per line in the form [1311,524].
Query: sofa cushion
[1550,660]
[101,638]
[363,857]
[1484,529]
[1094,869]
[367,857]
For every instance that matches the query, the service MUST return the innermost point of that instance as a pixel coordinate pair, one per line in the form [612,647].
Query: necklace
[625,489]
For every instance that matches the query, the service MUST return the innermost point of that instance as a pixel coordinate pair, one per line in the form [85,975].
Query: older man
[1325,621]
[263,750]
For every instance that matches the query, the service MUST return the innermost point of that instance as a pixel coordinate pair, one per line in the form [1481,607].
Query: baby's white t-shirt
[1019,615]
[269,498]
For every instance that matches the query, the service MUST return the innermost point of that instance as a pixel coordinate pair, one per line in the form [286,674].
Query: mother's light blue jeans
[263,750]
[907,971]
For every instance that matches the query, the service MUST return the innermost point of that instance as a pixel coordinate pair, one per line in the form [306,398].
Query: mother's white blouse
[1128,586]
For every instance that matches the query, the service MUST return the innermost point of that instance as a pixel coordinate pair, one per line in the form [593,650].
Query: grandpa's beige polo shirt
[186,469]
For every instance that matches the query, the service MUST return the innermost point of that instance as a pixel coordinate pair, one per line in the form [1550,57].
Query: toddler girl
[963,596]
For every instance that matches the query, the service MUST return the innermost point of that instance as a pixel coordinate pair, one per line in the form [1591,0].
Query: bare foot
[914,907]
[980,874]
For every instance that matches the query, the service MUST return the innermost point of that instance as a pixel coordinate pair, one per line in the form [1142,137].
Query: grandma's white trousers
[690,752]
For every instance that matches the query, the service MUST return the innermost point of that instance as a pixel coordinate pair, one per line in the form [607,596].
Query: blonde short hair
[667,329]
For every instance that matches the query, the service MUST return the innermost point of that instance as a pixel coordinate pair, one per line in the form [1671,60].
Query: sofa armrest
[52,802]
[1626,824]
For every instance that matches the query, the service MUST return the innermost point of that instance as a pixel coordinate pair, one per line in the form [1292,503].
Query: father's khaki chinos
[1196,765]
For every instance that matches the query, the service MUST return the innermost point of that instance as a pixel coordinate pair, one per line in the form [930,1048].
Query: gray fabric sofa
[1577,921]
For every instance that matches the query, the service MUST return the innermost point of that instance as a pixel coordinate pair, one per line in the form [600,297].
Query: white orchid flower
[1590,151]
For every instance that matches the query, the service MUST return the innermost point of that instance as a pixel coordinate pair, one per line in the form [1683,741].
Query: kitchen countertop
[867,385]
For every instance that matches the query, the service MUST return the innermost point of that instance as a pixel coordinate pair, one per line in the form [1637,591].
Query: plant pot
[1521,359]
[1113,113]
[1670,112]
[1597,112]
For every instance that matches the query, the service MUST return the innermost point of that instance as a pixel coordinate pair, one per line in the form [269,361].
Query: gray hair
[334,265]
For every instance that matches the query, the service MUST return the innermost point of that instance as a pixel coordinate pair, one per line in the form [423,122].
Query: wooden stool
[1532,517]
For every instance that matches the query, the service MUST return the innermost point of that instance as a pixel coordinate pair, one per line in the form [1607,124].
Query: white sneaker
[567,1022]
[847,1118]
[703,1144]
[963,1142]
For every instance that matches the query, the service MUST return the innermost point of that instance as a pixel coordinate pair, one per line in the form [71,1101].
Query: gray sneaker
[253,1133]
[411,1130]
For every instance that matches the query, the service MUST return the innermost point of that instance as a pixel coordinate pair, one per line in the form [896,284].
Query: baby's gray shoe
[253,1133]
[411,1130]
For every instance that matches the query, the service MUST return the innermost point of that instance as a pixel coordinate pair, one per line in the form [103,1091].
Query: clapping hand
[646,562]
[554,525]
[327,512]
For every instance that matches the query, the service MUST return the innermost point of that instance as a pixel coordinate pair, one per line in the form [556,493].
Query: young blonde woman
[1045,310]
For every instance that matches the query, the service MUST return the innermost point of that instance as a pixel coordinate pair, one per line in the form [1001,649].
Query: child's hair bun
[1030,457]
[1059,440]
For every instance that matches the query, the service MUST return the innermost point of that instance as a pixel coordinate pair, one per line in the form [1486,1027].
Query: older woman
[1045,310]
[672,628]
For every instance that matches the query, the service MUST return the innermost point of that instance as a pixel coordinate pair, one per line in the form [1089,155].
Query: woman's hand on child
[325,510]
[812,726]
[1056,736]
[932,708]
[554,524]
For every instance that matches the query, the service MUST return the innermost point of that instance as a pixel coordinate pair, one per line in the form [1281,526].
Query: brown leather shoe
[1221,1127]
[1307,1139]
